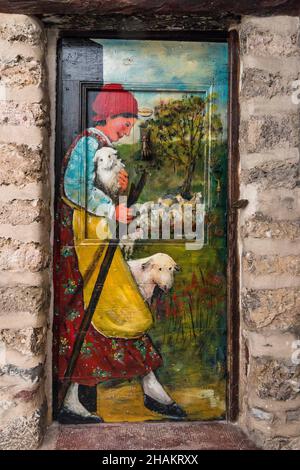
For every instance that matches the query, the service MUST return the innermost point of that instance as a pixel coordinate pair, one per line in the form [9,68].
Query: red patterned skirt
[100,358]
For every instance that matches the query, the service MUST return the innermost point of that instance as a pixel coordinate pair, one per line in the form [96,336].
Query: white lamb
[107,168]
[156,270]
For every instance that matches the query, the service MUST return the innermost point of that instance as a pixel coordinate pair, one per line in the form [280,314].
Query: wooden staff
[133,196]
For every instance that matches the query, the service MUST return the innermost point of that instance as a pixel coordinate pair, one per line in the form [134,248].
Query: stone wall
[270,231]
[24,230]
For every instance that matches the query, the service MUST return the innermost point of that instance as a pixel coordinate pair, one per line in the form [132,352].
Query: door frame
[233,183]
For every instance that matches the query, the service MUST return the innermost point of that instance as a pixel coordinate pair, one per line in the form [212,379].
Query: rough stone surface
[24,114]
[274,443]
[28,341]
[18,256]
[270,231]
[259,133]
[275,380]
[24,432]
[263,42]
[30,375]
[262,83]
[291,444]
[272,308]
[273,175]
[293,415]
[287,203]
[23,29]
[19,397]
[262,226]
[261,414]
[21,71]
[32,299]
[260,265]
[27,394]
[23,212]
[21,164]
[25,230]
[276,344]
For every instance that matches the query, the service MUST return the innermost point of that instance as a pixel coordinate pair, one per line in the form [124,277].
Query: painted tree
[179,130]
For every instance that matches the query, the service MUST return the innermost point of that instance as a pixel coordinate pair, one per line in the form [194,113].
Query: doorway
[168,273]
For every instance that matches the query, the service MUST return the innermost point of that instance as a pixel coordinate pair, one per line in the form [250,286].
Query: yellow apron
[121,311]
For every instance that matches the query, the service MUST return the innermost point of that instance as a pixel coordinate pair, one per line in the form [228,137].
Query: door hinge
[240,204]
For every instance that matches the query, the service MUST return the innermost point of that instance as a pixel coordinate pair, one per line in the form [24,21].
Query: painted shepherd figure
[112,349]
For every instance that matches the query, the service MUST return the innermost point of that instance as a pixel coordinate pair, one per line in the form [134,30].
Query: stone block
[262,415]
[293,415]
[279,203]
[263,41]
[21,164]
[273,174]
[260,133]
[31,299]
[18,256]
[262,265]
[27,341]
[291,444]
[250,160]
[24,114]
[274,379]
[278,345]
[262,226]
[12,374]
[23,212]
[22,28]
[262,83]
[272,308]
[20,72]
[275,443]
[19,400]
[24,432]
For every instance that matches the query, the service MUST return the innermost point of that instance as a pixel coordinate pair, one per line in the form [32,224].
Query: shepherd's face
[118,127]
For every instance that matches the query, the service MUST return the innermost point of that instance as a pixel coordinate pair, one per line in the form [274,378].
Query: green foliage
[179,131]
[190,320]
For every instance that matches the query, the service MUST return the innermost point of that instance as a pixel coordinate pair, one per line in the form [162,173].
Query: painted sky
[144,66]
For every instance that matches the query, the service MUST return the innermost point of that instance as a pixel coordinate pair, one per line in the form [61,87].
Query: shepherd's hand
[123,214]
[123,179]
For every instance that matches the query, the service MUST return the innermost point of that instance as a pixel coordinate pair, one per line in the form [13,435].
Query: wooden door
[153,112]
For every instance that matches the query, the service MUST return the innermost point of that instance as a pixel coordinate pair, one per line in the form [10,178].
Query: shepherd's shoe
[74,412]
[66,416]
[173,410]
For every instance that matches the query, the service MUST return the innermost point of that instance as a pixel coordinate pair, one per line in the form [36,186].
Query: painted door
[144,124]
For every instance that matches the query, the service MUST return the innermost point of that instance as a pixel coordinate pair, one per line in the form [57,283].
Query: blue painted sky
[167,65]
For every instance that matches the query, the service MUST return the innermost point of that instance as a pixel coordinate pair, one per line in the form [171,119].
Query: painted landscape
[182,146]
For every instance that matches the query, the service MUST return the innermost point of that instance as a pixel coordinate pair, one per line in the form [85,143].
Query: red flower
[194,283]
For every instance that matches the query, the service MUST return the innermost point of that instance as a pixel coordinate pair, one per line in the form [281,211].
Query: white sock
[154,389]
[72,401]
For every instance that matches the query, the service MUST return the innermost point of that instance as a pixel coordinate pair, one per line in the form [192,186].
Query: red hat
[113,100]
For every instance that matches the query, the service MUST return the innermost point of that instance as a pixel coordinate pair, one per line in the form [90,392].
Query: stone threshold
[147,436]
